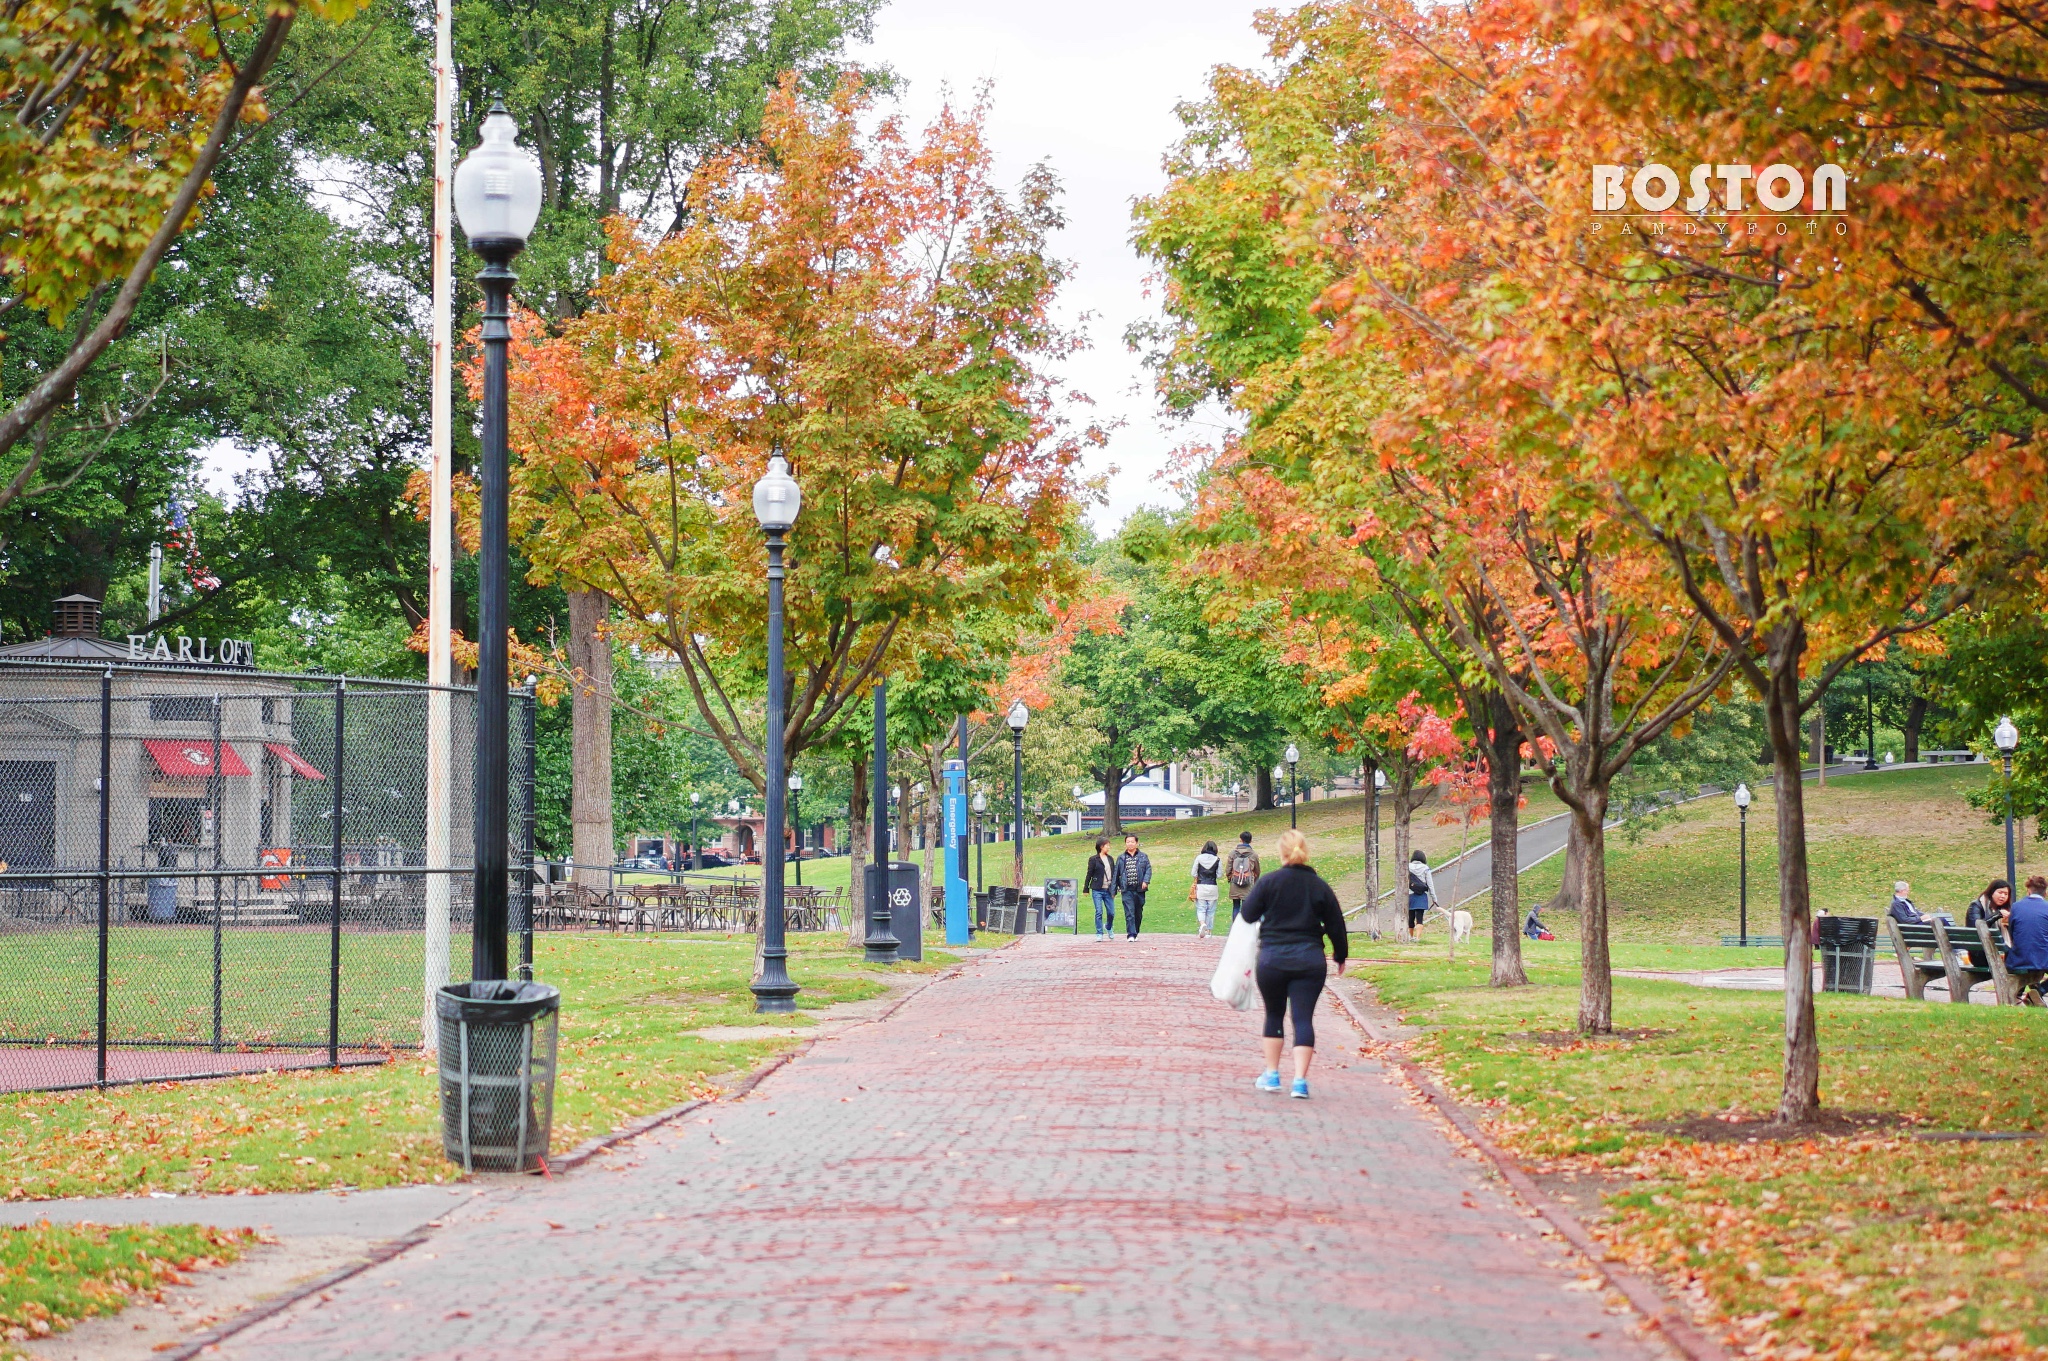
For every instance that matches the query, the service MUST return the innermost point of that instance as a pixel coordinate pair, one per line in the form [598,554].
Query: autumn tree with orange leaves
[871,308]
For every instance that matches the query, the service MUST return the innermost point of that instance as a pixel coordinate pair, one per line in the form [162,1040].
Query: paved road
[1057,1153]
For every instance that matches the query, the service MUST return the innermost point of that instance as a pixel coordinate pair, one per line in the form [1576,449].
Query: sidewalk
[1057,1153]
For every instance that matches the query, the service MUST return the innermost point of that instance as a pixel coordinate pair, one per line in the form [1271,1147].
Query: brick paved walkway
[1057,1154]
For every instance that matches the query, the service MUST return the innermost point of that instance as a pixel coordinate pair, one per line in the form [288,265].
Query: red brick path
[1057,1154]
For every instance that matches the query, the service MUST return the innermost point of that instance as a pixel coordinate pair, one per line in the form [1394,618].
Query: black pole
[488,944]
[2010,866]
[1743,927]
[214,790]
[1017,788]
[881,941]
[1293,792]
[1869,728]
[334,916]
[796,820]
[106,858]
[774,991]
[696,851]
[526,824]
[978,843]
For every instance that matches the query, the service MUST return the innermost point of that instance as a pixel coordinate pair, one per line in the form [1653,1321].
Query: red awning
[291,758]
[183,760]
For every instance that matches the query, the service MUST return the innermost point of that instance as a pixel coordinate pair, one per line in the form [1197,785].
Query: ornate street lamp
[1293,781]
[497,194]
[796,820]
[2007,738]
[1742,807]
[777,499]
[1017,718]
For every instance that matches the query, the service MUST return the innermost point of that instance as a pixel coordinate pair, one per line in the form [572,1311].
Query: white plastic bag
[1233,981]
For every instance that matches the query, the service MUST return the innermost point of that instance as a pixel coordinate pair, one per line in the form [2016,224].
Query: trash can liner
[505,1001]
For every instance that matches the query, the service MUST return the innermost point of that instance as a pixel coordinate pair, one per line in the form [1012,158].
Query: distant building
[1145,799]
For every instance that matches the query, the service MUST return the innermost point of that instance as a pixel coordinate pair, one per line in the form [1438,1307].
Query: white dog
[1461,926]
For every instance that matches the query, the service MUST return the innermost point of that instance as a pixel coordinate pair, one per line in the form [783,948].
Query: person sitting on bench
[1903,909]
[1992,906]
[2028,957]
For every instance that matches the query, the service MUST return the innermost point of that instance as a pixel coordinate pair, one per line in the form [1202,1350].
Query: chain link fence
[209,871]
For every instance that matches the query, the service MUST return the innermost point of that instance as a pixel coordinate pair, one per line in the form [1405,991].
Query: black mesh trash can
[1848,953]
[497,1064]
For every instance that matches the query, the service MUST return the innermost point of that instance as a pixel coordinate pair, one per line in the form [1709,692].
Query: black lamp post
[796,820]
[1017,718]
[497,197]
[1869,727]
[777,499]
[1742,808]
[2007,738]
[696,846]
[980,807]
[881,943]
[1293,782]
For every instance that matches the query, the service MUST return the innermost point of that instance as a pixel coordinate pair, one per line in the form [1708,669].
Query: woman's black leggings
[1291,982]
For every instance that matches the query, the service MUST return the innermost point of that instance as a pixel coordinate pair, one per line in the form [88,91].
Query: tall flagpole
[440,533]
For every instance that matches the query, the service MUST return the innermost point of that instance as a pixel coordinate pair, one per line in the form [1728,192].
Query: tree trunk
[1404,811]
[1262,789]
[1916,715]
[1372,849]
[1799,1101]
[1112,802]
[1570,889]
[590,725]
[858,823]
[1503,749]
[1596,973]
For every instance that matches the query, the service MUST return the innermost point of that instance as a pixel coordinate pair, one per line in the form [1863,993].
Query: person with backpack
[1208,866]
[1421,891]
[1101,871]
[1133,880]
[1243,872]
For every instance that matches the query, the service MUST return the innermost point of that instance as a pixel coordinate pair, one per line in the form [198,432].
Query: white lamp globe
[1018,716]
[1379,779]
[777,498]
[2006,736]
[1742,796]
[497,188]
[980,802]
[796,782]
[1293,754]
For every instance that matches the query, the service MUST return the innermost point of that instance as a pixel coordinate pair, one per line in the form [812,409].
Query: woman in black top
[1101,870]
[1295,910]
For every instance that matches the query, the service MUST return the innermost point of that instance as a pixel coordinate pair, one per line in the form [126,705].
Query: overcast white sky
[1089,87]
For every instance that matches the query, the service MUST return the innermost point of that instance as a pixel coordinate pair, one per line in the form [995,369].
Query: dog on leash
[1461,926]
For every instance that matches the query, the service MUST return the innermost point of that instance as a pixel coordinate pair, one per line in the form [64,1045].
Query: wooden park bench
[1964,959]
[1755,941]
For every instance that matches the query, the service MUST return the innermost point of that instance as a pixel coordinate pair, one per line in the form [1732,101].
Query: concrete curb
[1657,1312]
[255,1314]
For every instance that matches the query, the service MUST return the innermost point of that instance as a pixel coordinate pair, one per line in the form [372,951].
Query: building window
[270,711]
[180,709]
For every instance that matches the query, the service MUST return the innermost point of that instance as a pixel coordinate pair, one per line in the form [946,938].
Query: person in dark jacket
[1101,870]
[1133,880]
[1295,910]
[1902,909]
[2028,957]
[1992,906]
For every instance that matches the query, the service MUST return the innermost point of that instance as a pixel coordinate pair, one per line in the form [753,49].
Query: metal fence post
[334,936]
[106,857]
[526,817]
[215,788]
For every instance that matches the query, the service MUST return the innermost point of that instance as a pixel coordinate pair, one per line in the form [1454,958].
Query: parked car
[713,860]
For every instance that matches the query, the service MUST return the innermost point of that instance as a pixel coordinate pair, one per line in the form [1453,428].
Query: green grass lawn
[631,1005]
[52,1275]
[1679,883]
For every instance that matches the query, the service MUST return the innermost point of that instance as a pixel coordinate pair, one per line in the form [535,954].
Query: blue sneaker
[1269,1081]
[1300,1089]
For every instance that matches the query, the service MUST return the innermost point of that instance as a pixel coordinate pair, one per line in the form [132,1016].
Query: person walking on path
[1133,879]
[1208,868]
[1101,870]
[1295,910]
[1244,871]
[1421,891]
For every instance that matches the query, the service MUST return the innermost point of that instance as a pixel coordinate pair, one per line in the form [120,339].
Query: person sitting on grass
[2028,958]
[1533,928]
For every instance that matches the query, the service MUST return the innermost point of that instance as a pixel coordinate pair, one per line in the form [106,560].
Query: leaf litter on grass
[52,1275]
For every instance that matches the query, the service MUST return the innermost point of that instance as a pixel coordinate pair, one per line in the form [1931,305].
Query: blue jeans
[1105,911]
